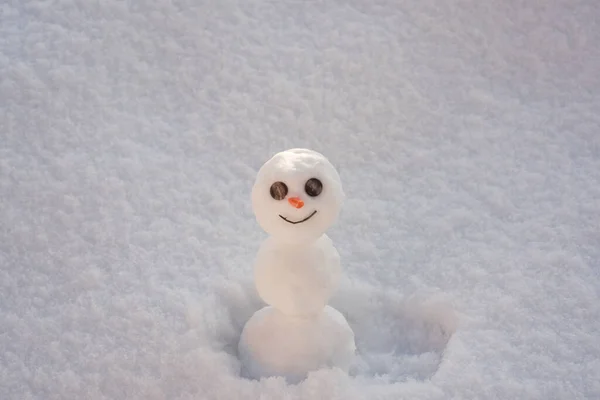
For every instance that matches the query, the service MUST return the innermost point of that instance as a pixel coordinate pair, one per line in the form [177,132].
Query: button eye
[279,190]
[313,187]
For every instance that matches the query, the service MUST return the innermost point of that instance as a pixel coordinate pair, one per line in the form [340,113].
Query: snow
[467,137]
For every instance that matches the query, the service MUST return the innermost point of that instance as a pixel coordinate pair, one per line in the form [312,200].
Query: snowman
[296,197]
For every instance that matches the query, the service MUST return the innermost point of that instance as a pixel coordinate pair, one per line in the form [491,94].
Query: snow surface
[467,136]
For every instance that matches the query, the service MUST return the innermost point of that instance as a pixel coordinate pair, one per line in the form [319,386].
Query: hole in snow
[397,338]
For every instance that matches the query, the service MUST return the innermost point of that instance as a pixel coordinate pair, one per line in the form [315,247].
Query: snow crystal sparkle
[296,197]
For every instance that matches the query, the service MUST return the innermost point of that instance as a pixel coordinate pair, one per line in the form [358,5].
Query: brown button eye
[313,187]
[279,190]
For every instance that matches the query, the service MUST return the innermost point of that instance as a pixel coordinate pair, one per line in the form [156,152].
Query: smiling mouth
[298,222]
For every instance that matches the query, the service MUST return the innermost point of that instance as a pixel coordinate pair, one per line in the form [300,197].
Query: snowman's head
[297,195]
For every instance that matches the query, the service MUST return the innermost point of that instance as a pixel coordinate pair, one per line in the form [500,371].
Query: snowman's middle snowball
[298,280]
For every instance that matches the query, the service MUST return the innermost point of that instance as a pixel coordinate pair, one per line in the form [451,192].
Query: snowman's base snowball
[275,344]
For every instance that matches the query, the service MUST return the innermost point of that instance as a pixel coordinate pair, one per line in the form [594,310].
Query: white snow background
[467,135]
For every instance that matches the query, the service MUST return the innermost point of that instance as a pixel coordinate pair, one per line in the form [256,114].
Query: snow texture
[467,136]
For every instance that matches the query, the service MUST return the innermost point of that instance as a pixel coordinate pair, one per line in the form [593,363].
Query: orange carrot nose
[296,202]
